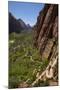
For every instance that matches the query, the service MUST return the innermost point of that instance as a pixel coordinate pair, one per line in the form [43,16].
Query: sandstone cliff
[46,31]
[46,38]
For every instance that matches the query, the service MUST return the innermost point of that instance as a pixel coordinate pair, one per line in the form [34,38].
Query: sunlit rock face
[46,31]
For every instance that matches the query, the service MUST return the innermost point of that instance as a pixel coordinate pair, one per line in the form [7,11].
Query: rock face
[46,31]
[46,40]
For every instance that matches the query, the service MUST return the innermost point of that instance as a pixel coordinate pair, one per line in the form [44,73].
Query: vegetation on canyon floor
[24,60]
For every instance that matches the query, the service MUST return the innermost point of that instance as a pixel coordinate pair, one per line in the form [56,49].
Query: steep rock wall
[46,40]
[46,31]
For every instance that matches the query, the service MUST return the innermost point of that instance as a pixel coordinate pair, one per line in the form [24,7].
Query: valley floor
[25,64]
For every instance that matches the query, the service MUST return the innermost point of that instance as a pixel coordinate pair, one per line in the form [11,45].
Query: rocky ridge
[17,25]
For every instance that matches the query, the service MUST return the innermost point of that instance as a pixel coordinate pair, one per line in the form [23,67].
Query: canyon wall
[46,40]
[46,32]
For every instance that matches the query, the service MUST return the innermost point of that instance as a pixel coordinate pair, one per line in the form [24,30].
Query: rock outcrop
[46,40]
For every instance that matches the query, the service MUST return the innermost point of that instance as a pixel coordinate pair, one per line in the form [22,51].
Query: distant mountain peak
[28,25]
[22,23]
[17,25]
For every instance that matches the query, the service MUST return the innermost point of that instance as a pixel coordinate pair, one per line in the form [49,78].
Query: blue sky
[28,12]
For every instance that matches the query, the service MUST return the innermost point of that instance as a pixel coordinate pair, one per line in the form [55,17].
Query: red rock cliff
[46,31]
[46,40]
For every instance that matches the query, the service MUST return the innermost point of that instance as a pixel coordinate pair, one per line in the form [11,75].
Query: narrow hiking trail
[48,72]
